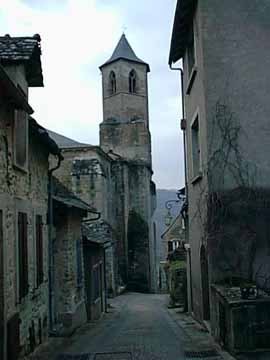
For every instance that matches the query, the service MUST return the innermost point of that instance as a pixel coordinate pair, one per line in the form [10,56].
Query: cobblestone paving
[141,327]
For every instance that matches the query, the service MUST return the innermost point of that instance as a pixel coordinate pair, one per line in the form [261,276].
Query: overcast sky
[78,36]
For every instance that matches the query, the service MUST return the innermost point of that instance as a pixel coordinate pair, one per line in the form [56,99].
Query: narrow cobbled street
[138,327]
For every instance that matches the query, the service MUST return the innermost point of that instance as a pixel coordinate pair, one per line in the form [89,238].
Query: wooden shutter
[21,138]
[23,255]
[39,250]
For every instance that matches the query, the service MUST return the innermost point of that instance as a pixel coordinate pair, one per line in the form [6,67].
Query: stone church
[115,178]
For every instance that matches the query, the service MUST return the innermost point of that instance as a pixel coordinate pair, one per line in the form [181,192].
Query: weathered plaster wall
[234,37]
[195,106]
[229,40]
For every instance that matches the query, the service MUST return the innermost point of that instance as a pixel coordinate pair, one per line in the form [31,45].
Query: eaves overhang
[183,18]
[125,59]
[12,93]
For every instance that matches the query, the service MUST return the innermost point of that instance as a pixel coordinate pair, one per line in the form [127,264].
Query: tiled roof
[124,51]
[65,142]
[23,50]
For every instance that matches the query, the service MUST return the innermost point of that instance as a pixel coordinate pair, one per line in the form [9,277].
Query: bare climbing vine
[230,204]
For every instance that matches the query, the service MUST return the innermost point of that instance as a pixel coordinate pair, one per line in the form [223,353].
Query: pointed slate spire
[124,51]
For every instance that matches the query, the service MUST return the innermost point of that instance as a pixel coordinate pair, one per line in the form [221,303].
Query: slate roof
[65,196]
[65,142]
[44,137]
[99,232]
[124,51]
[24,50]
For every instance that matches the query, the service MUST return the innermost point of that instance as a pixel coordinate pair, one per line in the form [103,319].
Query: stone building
[115,177]
[25,149]
[226,129]
[67,299]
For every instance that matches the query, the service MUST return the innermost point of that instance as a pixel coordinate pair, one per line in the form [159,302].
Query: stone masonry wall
[69,293]
[26,192]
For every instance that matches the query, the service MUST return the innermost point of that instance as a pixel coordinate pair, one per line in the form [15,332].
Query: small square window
[20,139]
[195,143]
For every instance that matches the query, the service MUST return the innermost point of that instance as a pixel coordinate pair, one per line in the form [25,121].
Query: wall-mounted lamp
[168,217]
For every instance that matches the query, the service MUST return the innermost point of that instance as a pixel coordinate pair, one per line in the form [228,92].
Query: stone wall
[88,173]
[69,303]
[123,106]
[26,192]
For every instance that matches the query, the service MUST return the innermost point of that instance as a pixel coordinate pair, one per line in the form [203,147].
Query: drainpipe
[183,123]
[50,245]
[183,127]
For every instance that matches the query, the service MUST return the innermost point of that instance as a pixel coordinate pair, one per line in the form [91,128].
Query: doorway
[205,284]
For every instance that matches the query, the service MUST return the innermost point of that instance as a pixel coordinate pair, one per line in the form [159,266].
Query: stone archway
[205,283]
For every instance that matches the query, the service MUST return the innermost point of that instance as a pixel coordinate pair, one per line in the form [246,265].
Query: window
[20,139]
[112,83]
[22,254]
[79,263]
[170,246]
[191,51]
[195,143]
[132,81]
[39,250]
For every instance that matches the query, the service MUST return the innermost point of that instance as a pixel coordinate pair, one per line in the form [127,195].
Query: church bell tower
[125,126]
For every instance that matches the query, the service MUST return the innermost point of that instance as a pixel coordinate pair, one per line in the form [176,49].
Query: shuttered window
[23,255]
[20,139]
[39,250]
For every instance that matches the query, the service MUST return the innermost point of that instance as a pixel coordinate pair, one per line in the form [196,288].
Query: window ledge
[191,79]
[196,178]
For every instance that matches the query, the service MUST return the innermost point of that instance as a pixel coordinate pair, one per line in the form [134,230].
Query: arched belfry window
[112,83]
[132,81]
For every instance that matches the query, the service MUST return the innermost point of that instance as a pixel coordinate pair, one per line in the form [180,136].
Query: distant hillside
[159,215]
